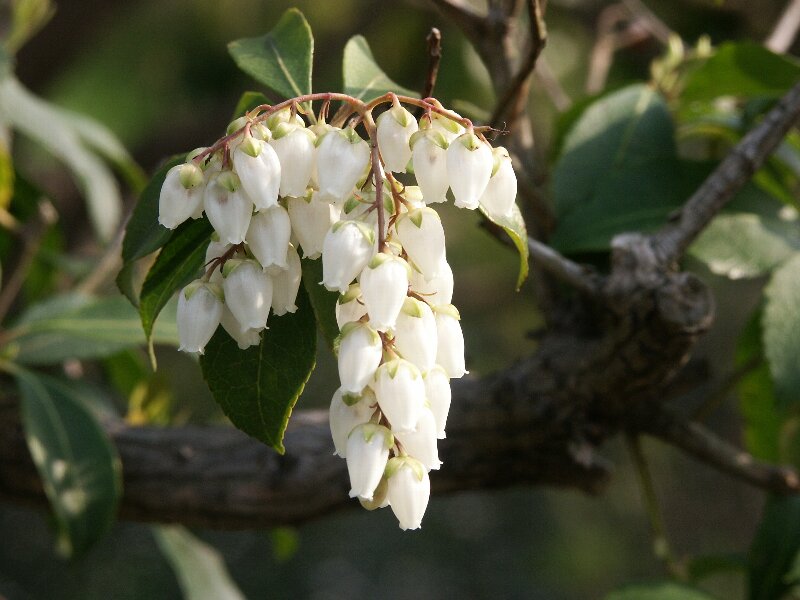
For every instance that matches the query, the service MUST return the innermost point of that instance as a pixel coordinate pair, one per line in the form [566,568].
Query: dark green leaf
[247,102]
[281,59]
[774,548]
[363,78]
[322,301]
[258,387]
[79,467]
[514,226]
[782,330]
[658,591]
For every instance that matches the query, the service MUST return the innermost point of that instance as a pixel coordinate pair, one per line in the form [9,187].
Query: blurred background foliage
[158,74]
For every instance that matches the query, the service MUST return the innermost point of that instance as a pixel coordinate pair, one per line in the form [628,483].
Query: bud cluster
[276,186]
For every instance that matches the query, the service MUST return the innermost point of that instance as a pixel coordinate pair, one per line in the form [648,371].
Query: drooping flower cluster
[274,186]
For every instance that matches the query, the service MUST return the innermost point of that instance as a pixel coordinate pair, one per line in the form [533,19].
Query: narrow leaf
[322,301]
[774,548]
[258,387]
[782,330]
[363,78]
[514,226]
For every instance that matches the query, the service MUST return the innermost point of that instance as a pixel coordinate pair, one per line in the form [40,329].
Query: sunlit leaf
[514,226]
[363,78]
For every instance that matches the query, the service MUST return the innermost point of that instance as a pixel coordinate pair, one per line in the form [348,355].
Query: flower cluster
[276,185]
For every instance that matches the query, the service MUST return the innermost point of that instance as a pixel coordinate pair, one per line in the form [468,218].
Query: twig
[785,30]
[728,178]
[580,277]
[719,395]
[649,20]
[434,41]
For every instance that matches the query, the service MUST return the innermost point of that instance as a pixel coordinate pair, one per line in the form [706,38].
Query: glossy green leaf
[322,301]
[79,467]
[774,548]
[782,330]
[363,78]
[514,226]
[258,387]
[281,59]
[658,591]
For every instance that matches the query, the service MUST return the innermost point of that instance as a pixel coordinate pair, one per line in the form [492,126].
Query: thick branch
[582,278]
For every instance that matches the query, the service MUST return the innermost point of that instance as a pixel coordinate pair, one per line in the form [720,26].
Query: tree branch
[582,278]
[785,30]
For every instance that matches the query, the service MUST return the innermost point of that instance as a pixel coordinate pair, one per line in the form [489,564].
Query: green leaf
[363,78]
[514,226]
[281,59]
[774,548]
[258,387]
[6,175]
[178,263]
[658,591]
[200,569]
[322,301]
[76,326]
[782,330]
[701,567]
[618,171]
[247,102]
[79,467]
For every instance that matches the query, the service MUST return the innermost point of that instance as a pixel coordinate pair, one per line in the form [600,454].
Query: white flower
[395,128]
[421,443]
[227,207]
[248,292]
[216,249]
[409,491]
[501,191]
[360,350]
[268,238]
[199,312]
[342,158]
[259,169]
[450,350]
[437,290]
[349,307]
[415,334]
[384,285]
[447,127]
[311,220]
[294,147]
[437,390]
[345,413]
[428,156]
[181,195]
[243,337]
[286,284]
[422,236]
[346,250]
[469,167]
[400,392]
[367,453]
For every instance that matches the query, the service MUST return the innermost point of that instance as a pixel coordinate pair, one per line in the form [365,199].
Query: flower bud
[421,442]
[359,353]
[437,390]
[415,334]
[268,238]
[258,168]
[199,313]
[422,236]
[342,158]
[429,159]
[243,336]
[469,166]
[501,191]
[345,415]
[439,289]
[400,392]
[227,207]
[349,306]
[395,128]
[367,454]
[311,219]
[295,149]
[450,349]
[346,250]
[409,491]
[286,284]
[177,201]
[384,285]
[248,292]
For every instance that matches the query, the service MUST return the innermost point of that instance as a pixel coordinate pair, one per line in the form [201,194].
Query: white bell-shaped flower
[259,169]
[409,490]
[450,349]
[422,236]
[286,284]
[346,250]
[469,167]
[311,219]
[429,157]
[415,334]
[450,129]
[244,337]
[350,307]
[216,248]
[400,391]
[342,158]
[501,191]
[437,290]
[437,390]
[227,207]
[268,238]
[384,285]
[395,128]
[199,313]
[345,413]
[367,454]
[295,149]
[181,194]
[248,292]
[359,353]
[421,442]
